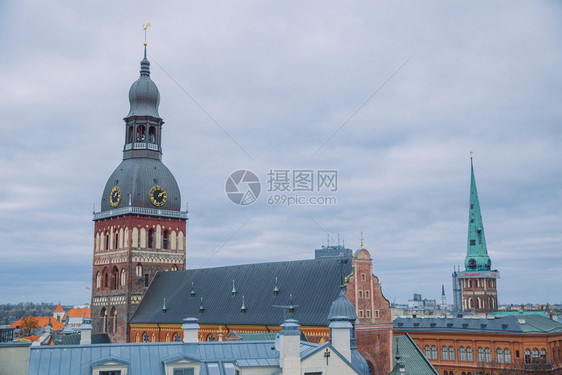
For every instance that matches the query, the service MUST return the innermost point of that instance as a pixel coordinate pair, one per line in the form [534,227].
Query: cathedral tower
[140,229]
[478,280]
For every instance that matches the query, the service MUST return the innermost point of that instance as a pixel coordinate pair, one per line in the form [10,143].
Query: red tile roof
[42,321]
[78,313]
[59,308]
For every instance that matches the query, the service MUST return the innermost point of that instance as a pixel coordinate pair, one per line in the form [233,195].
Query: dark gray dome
[342,309]
[144,96]
[137,176]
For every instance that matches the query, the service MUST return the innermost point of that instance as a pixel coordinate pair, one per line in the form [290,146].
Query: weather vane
[361,239]
[144,27]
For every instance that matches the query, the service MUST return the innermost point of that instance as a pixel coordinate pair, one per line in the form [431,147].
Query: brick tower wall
[124,264]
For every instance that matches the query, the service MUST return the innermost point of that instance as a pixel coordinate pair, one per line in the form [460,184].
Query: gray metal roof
[411,357]
[342,309]
[144,96]
[137,176]
[143,358]
[149,358]
[514,324]
[314,285]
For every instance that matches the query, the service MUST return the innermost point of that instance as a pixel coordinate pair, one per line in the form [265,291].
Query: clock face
[115,196]
[472,262]
[158,196]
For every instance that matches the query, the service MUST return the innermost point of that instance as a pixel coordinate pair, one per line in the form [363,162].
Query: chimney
[86,331]
[190,330]
[289,347]
[340,334]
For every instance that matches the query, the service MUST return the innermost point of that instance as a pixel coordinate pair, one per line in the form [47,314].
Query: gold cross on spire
[144,27]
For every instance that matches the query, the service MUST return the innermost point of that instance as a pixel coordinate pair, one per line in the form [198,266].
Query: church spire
[476,252]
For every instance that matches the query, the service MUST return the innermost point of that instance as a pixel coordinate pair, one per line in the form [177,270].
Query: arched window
[543,356]
[140,133]
[433,352]
[123,277]
[130,134]
[98,280]
[103,318]
[113,320]
[463,373]
[488,355]
[507,356]
[462,353]
[480,355]
[176,337]
[165,240]
[106,240]
[151,238]
[427,352]
[105,278]
[145,337]
[114,278]
[535,355]
[469,354]
[116,240]
[152,134]
[499,354]
[210,337]
[444,353]
[451,353]
[470,303]
[174,268]
[138,270]
[527,356]
[445,372]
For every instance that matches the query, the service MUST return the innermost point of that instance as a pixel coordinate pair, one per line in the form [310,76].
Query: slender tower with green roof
[478,280]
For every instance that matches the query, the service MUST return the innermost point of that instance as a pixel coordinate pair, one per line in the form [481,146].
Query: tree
[28,324]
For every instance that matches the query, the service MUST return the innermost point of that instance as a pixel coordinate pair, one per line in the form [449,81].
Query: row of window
[361,294]
[140,135]
[367,314]
[533,357]
[465,354]
[478,303]
[108,322]
[478,283]
[145,337]
[118,279]
[139,238]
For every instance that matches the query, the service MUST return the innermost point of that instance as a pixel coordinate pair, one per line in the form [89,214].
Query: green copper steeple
[476,252]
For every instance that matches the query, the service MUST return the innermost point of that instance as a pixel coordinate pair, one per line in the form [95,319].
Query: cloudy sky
[392,95]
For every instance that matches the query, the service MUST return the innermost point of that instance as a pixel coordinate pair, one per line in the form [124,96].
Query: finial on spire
[144,27]
[361,240]
[471,155]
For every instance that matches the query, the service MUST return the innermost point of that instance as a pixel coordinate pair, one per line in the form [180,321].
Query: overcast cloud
[281,78]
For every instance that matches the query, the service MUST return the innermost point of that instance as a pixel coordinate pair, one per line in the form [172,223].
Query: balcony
[140,211]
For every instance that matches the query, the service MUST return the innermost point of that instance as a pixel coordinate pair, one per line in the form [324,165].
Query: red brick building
[140,229]
[516,344]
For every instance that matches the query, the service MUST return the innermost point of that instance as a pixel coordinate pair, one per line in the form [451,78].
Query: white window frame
[183,363]
[110,366]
